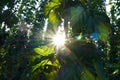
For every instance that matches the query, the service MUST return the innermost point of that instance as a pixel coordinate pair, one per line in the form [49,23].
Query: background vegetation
[92,32]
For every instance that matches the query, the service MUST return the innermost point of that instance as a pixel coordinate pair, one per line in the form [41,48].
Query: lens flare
[59,39]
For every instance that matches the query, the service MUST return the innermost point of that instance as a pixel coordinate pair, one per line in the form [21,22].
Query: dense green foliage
[91,52]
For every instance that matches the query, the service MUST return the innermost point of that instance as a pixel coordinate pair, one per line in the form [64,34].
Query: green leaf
[87,75]
[44,51]
[53,18]
[38,50]
[104,31]
[51,6]
[52,75]
[51,11]
[99,70]
[57,1]
[103,25]
[40,65]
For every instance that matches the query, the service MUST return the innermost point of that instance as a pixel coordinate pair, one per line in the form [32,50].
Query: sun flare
[59,39]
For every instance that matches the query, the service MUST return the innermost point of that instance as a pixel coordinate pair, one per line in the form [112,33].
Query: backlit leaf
[51,11]
[104,31]
[51,6]
[53,18]
[44,51]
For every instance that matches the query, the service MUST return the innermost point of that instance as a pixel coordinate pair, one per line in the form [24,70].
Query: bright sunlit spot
[59,39]
[108,6]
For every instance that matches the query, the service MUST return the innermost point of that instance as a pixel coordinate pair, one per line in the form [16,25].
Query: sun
[58,40]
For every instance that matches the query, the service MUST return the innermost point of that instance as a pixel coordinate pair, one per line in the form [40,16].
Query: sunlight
[5,8]
[108,7]
[59,39]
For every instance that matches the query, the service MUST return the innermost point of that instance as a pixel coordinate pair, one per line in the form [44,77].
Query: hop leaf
[44,51]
